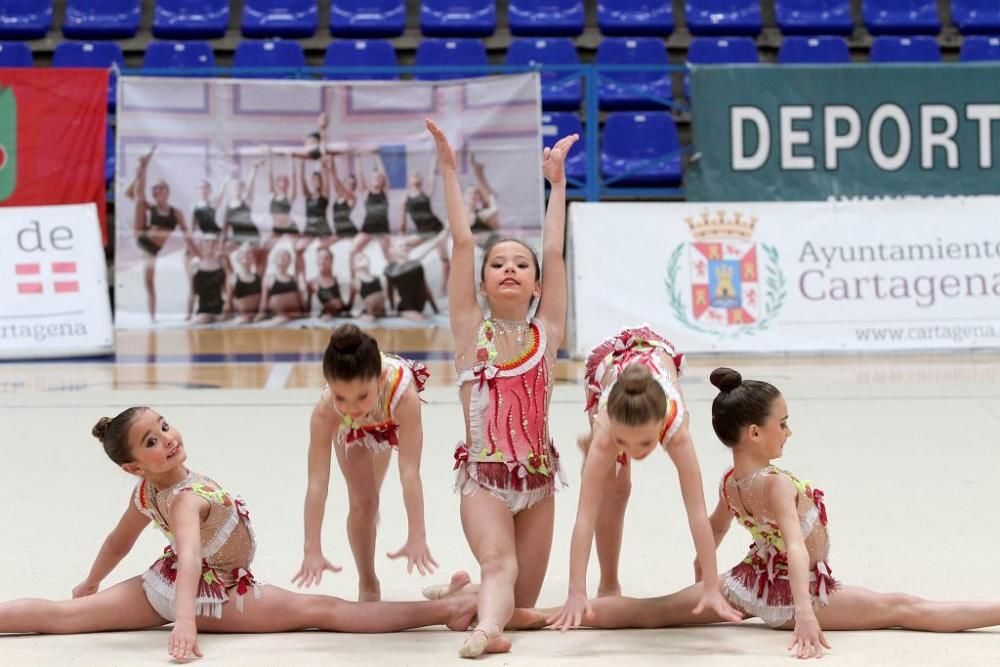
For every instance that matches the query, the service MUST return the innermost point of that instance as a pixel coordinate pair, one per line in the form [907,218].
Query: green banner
[809,132]
[8,143]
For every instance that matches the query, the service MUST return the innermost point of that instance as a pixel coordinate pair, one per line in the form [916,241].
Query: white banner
[909,274]
[54,292]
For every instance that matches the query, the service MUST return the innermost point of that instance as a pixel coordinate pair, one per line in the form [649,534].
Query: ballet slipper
[484,639]
[458,581]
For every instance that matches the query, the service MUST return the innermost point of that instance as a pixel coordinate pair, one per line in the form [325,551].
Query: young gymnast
[368,409]
[507,465]
[203,582]
[785,579]
[634,403]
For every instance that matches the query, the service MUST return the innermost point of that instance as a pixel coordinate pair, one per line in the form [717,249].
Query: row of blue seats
[208,19]
[645,144]
[560,91]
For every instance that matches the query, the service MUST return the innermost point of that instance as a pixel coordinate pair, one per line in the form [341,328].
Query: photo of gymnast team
[313,253]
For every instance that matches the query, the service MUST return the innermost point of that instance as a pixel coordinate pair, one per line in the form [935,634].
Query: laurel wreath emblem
[775,299]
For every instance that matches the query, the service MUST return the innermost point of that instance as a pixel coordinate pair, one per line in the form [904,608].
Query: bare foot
[528,619]
[464,611]
[609,591]
[458,582]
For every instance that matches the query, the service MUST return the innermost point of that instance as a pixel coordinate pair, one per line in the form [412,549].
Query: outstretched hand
[183,643]
[712,598]
[312,569]
[575,611]
[417,555]
[554,159]
[807,638]
[84,589]
[445,153]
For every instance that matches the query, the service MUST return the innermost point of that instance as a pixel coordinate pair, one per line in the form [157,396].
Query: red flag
[52,136]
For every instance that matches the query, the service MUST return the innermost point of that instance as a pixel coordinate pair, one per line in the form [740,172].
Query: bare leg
[621,612]
[489,529]
[533,543]
[854,608]
[279,610]
[149,274]
[362,518]
[609,528]
[122,607]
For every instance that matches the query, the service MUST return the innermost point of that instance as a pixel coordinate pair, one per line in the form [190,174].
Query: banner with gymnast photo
[889,275]
[248,202]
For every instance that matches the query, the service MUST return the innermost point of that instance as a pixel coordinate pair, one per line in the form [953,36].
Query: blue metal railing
[594,188]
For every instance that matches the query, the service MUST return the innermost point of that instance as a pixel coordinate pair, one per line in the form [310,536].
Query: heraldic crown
[721,225]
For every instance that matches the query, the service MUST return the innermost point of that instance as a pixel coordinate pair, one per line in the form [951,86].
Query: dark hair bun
[726,379]
[101,428]
[346,339]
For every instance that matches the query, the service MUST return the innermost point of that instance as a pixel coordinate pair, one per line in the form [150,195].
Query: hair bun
[635,379]
[726,379]
[346,338]
[101,428]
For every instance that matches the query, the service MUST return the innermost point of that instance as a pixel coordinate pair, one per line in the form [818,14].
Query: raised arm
[479,171]
[185,522]
[807,637]
[252,181]
[295,183]
[362,179]
[552,304]
[598,465]
[324,175]
[464,311]
[681,452]
[217,204]
[338,185]
[411,442]
[322,430]
[116,546]
[306,189]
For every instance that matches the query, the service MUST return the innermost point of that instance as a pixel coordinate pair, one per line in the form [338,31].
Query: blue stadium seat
[178,56]
[558,92]
[367,19]
[449,52]
[25,19]
[719,51]
[361,53]
[635,17]
[458,18]
[643,145]
[979,47]
[630,90]
[547,18]
[896,49]
[827,49]
[15,54]
[976,16]
[557,125]
[190,19]
[91,54]
[101,19]
[814,17]
[268,53]
[723,17]
[279,18]
[901,17]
